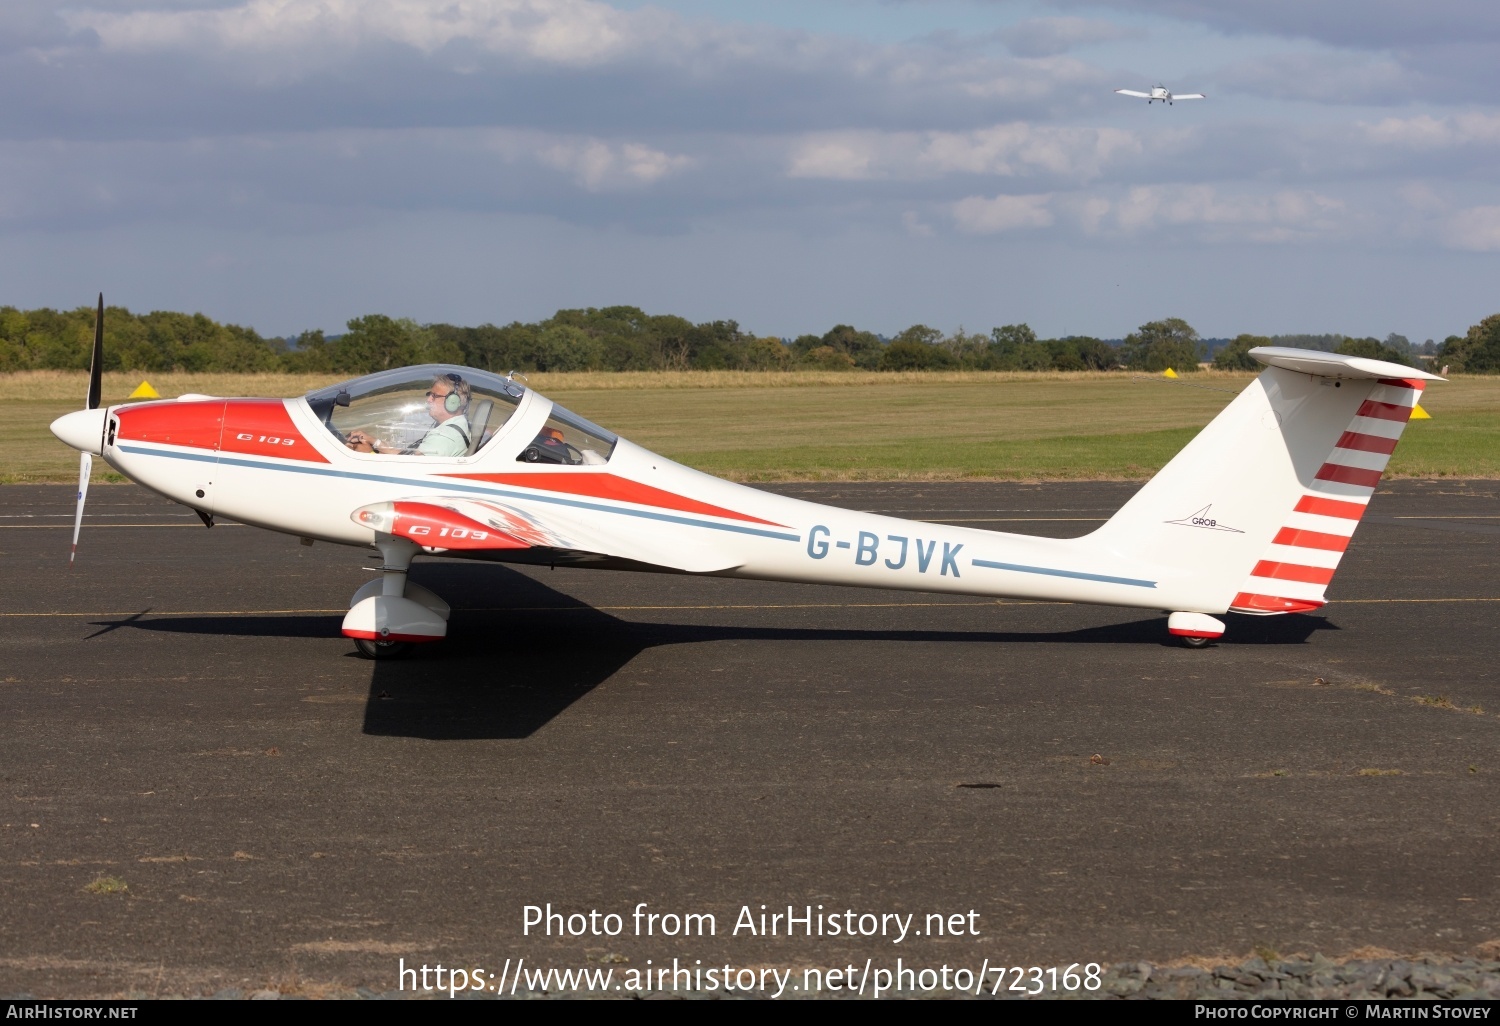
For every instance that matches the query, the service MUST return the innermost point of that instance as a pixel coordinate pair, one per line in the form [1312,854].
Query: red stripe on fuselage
[1415,384]
[196,425]
[256,427]
[596,485]
[262,427]
[438,527]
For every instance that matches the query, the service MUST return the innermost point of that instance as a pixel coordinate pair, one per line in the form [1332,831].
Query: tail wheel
[382,649]
[1195,629]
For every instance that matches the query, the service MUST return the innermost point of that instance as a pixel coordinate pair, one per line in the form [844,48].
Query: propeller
[96,390]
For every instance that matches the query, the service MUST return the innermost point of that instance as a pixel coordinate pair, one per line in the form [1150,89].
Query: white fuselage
[648,511]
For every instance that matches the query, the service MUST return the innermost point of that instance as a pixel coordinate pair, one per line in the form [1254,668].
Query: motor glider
[1252,516]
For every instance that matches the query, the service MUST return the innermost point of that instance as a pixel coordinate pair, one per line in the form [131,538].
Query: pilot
[448,404]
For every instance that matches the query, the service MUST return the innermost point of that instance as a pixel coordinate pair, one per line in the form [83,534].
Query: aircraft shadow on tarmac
[507,671]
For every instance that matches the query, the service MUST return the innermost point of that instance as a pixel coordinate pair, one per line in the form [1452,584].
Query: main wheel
[1191,642]
[382,649]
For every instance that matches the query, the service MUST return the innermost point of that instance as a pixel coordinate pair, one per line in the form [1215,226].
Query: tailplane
[1255,513]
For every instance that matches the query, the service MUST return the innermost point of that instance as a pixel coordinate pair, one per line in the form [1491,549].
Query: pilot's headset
[458,392]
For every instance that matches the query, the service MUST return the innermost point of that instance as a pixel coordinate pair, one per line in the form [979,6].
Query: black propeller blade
[96,391]
[96,364]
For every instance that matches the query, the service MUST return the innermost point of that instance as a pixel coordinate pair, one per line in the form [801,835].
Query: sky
[290,164]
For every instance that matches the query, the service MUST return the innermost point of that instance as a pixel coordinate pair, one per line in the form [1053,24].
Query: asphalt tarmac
[202,787]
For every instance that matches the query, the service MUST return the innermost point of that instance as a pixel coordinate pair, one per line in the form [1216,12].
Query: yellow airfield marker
[144,391]
[1417,413]
[1169,373]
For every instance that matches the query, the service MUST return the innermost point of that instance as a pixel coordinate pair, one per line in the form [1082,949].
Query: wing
[461,524]
[1133,92]
[1188,96]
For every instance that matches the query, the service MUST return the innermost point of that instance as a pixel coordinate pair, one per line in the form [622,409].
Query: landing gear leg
[385,622]
[395,560]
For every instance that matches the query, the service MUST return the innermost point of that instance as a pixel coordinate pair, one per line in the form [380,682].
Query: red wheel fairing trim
[376,636]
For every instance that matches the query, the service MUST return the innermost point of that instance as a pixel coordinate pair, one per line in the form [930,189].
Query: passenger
[448,404]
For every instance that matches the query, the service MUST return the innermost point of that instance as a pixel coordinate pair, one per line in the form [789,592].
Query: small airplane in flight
[1252,516]
[1162,93]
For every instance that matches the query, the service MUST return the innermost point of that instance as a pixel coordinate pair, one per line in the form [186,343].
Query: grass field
[842,426]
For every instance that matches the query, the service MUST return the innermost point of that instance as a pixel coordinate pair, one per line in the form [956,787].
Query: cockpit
[446,411]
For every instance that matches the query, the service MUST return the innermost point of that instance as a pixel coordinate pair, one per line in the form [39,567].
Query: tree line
[624,338]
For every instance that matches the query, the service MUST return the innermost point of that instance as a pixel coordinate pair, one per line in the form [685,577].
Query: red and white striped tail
[1299,563]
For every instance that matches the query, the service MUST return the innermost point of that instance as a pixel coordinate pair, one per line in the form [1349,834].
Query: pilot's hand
[360,442]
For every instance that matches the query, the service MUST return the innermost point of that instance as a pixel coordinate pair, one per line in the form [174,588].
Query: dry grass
[69,387]
[819,425]
[634,380]
[1444,702]
[107,885]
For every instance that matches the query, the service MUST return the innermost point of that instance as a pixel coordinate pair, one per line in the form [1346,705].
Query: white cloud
[599,166]
[848,156]
[623,124]
[914,225]
[1091,213]
[285,180]
[1374,24]
[1421,197]
[30,24]
[561,31]
[1426,132]
[1009,150]
[981,216]
[1323,77]
[1029,81]
[1477,228]
[575,65]
[1044,37]
[1283,216]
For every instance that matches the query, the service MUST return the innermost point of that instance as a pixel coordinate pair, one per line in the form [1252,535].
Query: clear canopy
[443,410]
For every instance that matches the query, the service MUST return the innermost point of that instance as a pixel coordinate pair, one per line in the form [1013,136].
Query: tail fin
[1255,513]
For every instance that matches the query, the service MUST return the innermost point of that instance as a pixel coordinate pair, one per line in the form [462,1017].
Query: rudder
[1300,562]
[1255,512]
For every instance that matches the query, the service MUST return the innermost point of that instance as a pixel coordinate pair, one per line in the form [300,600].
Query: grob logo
[1204,521]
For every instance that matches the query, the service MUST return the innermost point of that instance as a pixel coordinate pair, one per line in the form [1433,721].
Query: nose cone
[83,430]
